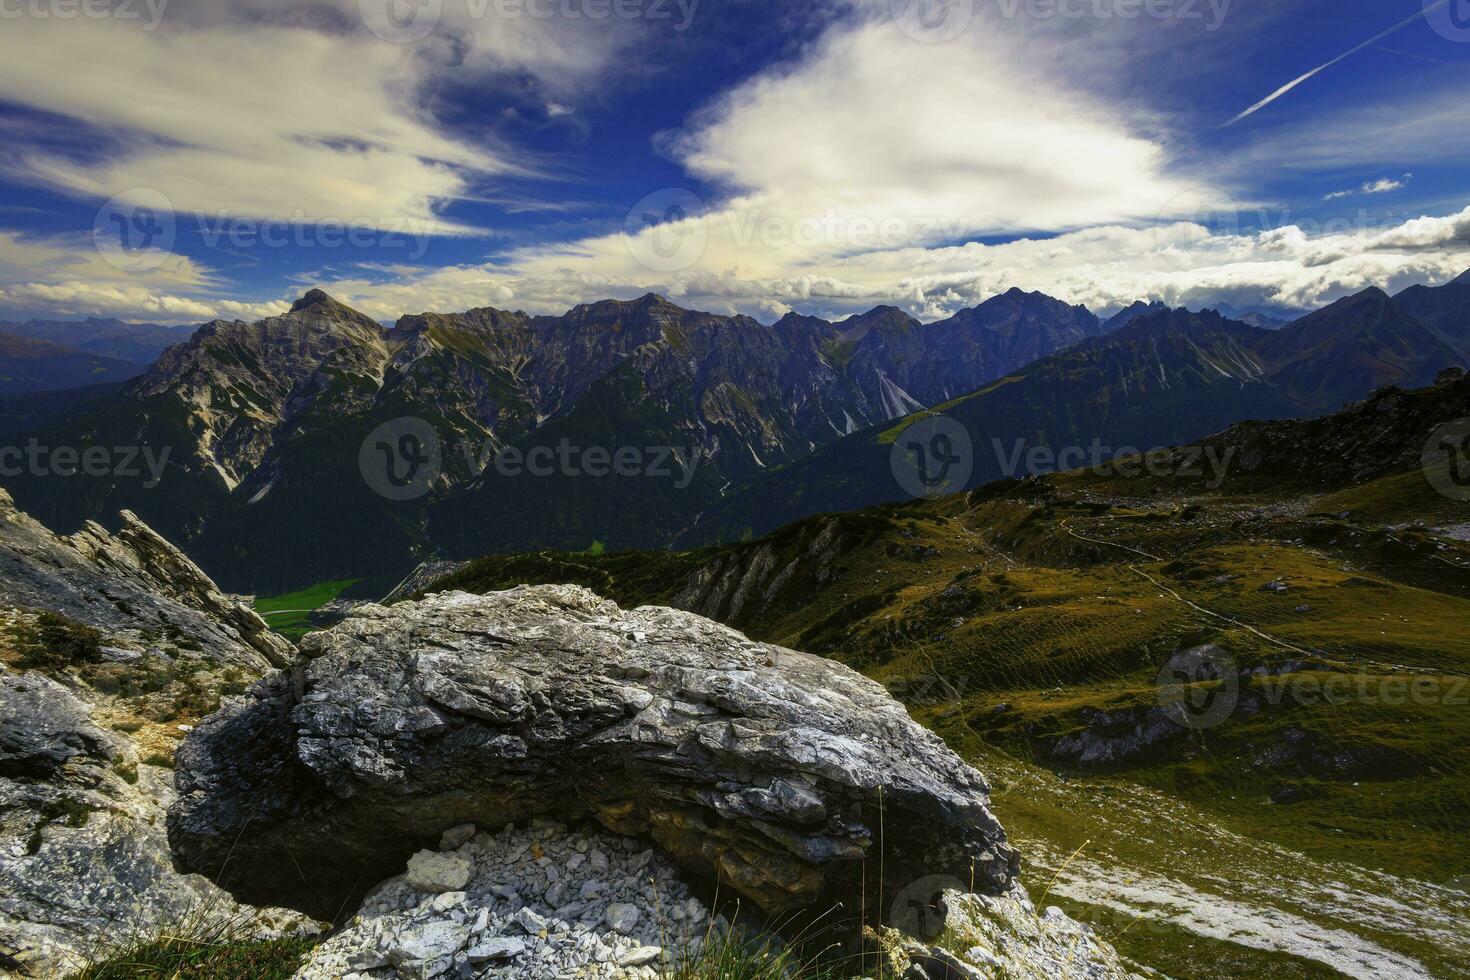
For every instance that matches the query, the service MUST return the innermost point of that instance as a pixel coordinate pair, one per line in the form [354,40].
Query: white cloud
[867,150]
[859,173]
[1380,186]
[65,276]
[968,133]
[287,113]
[1107,267]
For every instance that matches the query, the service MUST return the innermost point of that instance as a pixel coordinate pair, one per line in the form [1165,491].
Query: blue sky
[175,161]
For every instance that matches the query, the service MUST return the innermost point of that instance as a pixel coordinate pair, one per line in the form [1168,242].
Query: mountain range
[1164,378]
[28,365]
[136,343]
[738,427]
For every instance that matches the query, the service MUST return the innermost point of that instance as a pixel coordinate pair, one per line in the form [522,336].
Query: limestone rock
[1000,937]
[622,917]
[432,872]
[129,583]
[490,933]
[777,773]
[83,856]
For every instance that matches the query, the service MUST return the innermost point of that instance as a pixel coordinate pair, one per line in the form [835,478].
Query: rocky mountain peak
[312,297]
[317,308]
[1132,312]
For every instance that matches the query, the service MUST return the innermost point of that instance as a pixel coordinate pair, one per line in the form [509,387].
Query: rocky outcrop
[544,901]
[1000,937]
[739,585]
[84,861]
[785,778]
[132,584]
[138,630]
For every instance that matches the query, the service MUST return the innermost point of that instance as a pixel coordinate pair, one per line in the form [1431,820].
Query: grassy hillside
[1031,624]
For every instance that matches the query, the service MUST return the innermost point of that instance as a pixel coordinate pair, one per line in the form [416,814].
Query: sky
[176,161]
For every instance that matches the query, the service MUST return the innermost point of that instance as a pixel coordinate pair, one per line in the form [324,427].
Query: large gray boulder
[783,777]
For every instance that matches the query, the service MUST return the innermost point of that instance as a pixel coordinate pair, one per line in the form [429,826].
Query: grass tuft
[200,947]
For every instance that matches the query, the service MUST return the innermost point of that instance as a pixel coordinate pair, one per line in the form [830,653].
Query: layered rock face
[132,582]
[84,860]
[785,778]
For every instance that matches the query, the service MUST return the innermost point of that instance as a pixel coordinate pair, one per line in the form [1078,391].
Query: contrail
[1346,54]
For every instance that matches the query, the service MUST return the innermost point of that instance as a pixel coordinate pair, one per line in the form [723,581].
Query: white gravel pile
[533,902]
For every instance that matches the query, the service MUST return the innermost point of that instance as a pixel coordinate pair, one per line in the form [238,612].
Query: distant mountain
[138,343]
[29,365]
[265,421]
[635,424]
[1254,318]
[1343,351]
[1132,312]
[1445,310]
[1263,320]
[1165,378]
